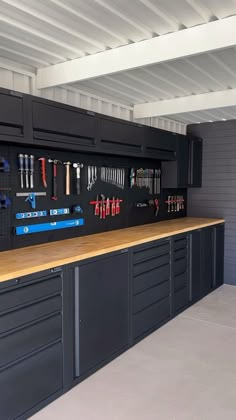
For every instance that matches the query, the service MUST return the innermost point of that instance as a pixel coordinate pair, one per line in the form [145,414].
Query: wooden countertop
[24,261]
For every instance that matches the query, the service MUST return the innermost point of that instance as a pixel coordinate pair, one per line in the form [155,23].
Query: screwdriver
[31,168]
[26,171]
[21,169]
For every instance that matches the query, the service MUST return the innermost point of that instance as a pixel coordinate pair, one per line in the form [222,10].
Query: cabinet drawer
[180,243]
[180,266]
[150,252]
[30,381]
[30,313]
[149,296]
[28,339]
[151,316]
[150,264]
[180,253]
[180,281]
[181,299]
[151,278]
[27,293]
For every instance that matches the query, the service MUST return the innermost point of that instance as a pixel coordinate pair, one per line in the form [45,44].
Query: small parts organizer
[105,207]
[175,203]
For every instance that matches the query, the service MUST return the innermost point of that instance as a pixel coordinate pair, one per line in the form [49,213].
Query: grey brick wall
[217,197]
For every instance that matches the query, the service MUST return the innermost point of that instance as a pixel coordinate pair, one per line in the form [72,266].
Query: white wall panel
[23,81]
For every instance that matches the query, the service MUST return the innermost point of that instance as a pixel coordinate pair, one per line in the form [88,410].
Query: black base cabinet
[101,310]
[150,287]
[60,326]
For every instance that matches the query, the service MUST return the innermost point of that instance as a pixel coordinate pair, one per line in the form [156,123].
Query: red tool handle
[108,208]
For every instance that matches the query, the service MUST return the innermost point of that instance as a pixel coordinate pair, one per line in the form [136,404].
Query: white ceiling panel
[36,34]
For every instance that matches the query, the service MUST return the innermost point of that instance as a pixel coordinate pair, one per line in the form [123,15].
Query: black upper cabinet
[13,116]
[63,126]
[175,174]
[159,144]
[121,137]
[195,162]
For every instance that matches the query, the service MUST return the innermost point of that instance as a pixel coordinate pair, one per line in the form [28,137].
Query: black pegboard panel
[130,215]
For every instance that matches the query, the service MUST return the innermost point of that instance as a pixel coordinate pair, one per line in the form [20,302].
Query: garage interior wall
[23,81]
[216,198]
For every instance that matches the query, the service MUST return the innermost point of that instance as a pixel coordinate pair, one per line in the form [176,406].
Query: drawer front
[180,243]
[28,382]
[28,339]
[30,313]
[180,266]
[181,299]
[150,252]
[144,266]
[151,317]
[180,281]
[26,293]
[180,253]
[151,278]
[150,296]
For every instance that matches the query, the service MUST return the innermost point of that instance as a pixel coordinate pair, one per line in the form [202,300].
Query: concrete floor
[184,371]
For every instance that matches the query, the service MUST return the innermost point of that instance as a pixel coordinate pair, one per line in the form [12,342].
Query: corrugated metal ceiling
[36,34]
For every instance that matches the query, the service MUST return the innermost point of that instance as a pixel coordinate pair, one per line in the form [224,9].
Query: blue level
[31,214]
[43,227]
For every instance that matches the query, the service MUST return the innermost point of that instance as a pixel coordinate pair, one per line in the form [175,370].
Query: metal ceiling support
[204,101]
[185,43]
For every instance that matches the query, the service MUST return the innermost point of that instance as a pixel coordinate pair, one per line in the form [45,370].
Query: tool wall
[48,195]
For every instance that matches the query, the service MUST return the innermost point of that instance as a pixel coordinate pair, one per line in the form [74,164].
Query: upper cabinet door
[62,125]
[195,162]
[175,174]
[121,137]
[13,116]
[183,161]
[156,140]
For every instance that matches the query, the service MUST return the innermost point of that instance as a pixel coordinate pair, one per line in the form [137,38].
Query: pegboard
[129,215]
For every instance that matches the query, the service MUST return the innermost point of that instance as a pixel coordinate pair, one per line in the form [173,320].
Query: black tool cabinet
[59,326]
[31,342]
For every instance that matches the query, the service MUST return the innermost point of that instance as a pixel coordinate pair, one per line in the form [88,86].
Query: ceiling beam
[188,42]
[203,101]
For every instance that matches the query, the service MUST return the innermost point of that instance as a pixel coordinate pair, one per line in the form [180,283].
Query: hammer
[67,165]
[55,162]
[78,166]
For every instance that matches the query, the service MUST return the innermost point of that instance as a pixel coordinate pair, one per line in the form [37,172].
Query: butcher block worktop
[24,261]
